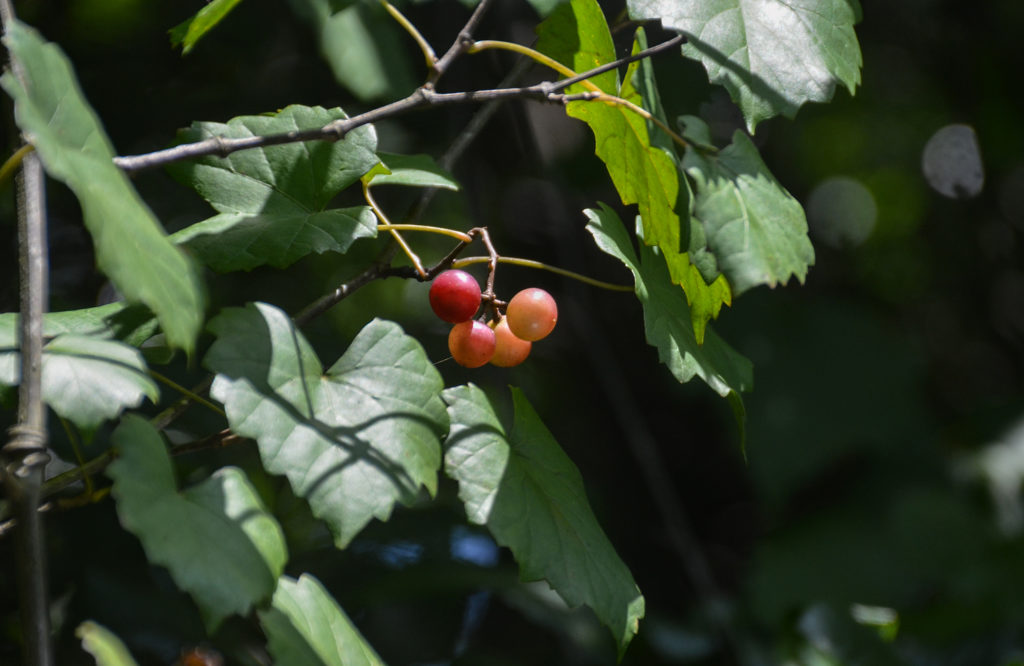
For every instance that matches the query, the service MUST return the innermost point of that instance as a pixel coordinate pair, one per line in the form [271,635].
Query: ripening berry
[455,296]
[471,343]
[508,350]
[531,314]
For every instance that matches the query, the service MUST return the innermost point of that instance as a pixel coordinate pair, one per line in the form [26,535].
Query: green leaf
[771,55]
[272,200]
[691,232]
[306,627]
[577,35]
[523,487]
[755,228]
[216,538]
[366,49]
[666,320]
[131,248]
[353,440]
[132,325]
[86,380]
[412,170]
[106,648]
[190,31]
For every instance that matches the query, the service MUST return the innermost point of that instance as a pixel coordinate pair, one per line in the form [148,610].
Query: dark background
[885,431]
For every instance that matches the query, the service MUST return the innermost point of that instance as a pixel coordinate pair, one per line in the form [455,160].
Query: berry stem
[460,235]
[530,263]
[382,219]
[428,51]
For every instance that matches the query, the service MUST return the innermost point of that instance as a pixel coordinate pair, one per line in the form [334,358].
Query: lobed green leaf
[216,538]
[771,55]
[85,379]
[306,626]
[755,228]
[351,441]
[273,201]
[666,319]
[528,493]
[644,174]
[54,116]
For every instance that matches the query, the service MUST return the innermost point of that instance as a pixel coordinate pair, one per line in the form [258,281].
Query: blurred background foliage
[878,519]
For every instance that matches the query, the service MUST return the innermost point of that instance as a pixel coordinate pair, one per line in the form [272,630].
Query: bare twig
[459,45]
[422,98]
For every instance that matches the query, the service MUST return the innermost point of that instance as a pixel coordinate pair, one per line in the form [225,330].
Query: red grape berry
[455,296]
[471,343]
[509,350]
[531,314]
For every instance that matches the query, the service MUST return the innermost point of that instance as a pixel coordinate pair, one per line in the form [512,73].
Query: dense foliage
[262,452]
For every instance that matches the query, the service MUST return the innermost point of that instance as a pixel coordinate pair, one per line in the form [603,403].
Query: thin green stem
[10,167]
[428,51]
[191,395]
[530,263]
[383,220]
[460,235]
[547,61]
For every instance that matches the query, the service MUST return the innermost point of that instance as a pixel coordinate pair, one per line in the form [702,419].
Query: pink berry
[471,343]
[509,350]
[532,314]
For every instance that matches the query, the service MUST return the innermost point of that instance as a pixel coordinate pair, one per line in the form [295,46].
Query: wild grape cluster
[506,341]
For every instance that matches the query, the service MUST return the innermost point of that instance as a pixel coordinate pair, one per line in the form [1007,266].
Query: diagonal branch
[422,98]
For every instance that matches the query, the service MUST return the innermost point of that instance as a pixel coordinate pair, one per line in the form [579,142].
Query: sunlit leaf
[85,379]
[273,201]
[54,116]
[352,441]
[190,31]
[411,170]
[106,648]
[305,626]
[771,55]
[216,538]
[666,319]
[755,228]
[522,486]
[577,35]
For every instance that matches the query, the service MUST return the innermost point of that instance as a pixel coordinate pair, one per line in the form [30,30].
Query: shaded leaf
[216,538]
[306,627]
[523,487]
[771,55]
[106,648]
[363,45]
[272,201]
[666,320]
[412,170]
[755,228]
[190,31]
[54,116]
[644,174]
[351,441]
[86,380]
